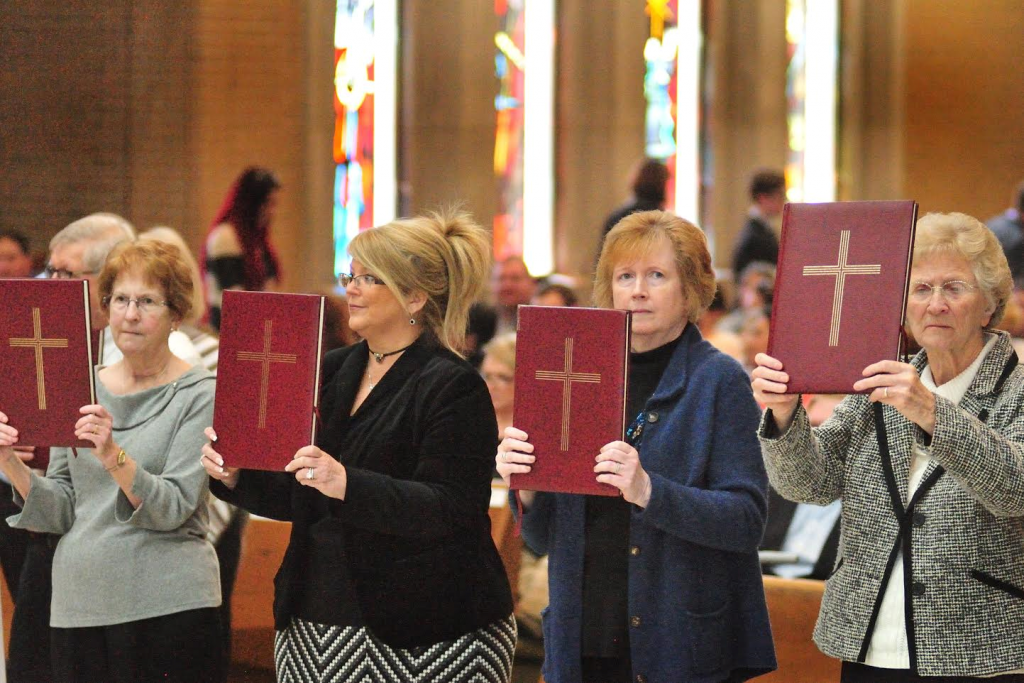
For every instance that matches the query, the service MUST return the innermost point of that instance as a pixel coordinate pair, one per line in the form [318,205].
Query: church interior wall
[150,109]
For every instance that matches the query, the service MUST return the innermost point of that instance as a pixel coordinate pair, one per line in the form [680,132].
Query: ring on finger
[310,474]
[886,392]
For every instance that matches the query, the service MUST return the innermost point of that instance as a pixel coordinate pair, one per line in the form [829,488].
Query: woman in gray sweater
[135,582]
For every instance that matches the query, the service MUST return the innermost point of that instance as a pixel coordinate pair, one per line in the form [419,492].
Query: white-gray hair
[968,238]
[104,230]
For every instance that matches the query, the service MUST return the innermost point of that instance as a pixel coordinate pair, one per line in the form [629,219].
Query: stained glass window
[523,145]
[812,37]
[673,55]
[365,45]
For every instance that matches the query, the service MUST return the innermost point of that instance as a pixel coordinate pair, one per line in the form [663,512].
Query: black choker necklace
[379,357]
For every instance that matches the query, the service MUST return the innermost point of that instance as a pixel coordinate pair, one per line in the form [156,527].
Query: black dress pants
[13,542]
[175,648]
[29,658]
[229,553]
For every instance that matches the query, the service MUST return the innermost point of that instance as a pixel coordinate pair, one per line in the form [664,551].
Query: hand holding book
[618,464]
[8,437]
[515,456]
[213,463]
[315,468]
[769,382]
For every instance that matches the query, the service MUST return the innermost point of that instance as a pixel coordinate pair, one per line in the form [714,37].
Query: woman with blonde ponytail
[391,573]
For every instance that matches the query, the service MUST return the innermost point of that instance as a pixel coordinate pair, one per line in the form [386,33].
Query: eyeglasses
[951,290]
[62,274]
[359,280]
[144,304]
[497,378]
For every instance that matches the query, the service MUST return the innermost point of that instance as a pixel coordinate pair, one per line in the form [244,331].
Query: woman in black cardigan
[390,572]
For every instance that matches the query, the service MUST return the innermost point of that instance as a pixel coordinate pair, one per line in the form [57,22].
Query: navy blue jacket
[696,600]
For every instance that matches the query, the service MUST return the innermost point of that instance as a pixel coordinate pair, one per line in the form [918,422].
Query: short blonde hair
[157,262]
[639,234]
[445,255]
[162,233]
[968,238]
[503,350]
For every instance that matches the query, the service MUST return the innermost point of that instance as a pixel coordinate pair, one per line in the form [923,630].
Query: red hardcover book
[570,393]
[268,377]
[46,359]
[841,291]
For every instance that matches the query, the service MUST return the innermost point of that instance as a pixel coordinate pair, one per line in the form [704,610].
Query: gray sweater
[116,564]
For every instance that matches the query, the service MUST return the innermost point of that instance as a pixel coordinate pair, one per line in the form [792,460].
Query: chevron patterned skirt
[307,652]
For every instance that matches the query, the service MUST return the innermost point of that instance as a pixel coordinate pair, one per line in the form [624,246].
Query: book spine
[316,372]
[88,341]
[901,347]
[779,272]
[625,372]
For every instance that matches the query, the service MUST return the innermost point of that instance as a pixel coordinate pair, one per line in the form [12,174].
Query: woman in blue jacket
[662,584]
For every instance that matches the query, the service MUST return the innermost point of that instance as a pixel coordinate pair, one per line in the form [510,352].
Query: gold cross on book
[840,270]
[567,377]
[266,358]
[37,343]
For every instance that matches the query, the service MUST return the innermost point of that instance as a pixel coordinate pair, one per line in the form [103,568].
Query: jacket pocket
[998,584]
[708,642]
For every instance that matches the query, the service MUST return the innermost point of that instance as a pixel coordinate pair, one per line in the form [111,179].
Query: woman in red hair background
[238,253]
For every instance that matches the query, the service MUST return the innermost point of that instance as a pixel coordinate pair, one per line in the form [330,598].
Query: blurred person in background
[511,286]
[15,254]
[238,253]
[648,182]
[226,522]
[554,294]
[758,240]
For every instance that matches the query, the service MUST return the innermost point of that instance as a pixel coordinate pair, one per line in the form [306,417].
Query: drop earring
[412,321]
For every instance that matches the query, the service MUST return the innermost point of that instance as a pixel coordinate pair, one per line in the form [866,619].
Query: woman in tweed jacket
[930,469]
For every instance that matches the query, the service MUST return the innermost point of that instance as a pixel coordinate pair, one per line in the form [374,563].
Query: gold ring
[886,392]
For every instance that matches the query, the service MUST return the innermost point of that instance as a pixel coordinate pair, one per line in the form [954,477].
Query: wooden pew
[793,606]
[252,615]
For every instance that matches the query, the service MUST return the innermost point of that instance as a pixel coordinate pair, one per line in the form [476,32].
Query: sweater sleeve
[50,506]
[267,494]
[171,496]
[450,486]
[989,462]
[728,512]
[807,464]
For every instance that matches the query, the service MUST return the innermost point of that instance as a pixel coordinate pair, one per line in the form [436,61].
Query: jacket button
[634,622]
[634,551]
[640,678]
[919,519]
[652,416]
[918,589]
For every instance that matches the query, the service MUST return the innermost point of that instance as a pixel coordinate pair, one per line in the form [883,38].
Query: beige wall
[965,104]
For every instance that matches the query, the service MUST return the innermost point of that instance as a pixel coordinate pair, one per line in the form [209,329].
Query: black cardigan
[413,531]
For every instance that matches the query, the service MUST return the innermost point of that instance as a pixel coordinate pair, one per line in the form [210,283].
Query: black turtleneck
[606,531]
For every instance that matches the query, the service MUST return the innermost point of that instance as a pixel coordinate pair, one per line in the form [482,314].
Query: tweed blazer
[962,534]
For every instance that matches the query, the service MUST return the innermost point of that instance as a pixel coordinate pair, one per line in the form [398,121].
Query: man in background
[758,240]
[512,286]
[1009,230]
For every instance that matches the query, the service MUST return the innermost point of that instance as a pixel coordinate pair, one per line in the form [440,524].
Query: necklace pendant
[379,357]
